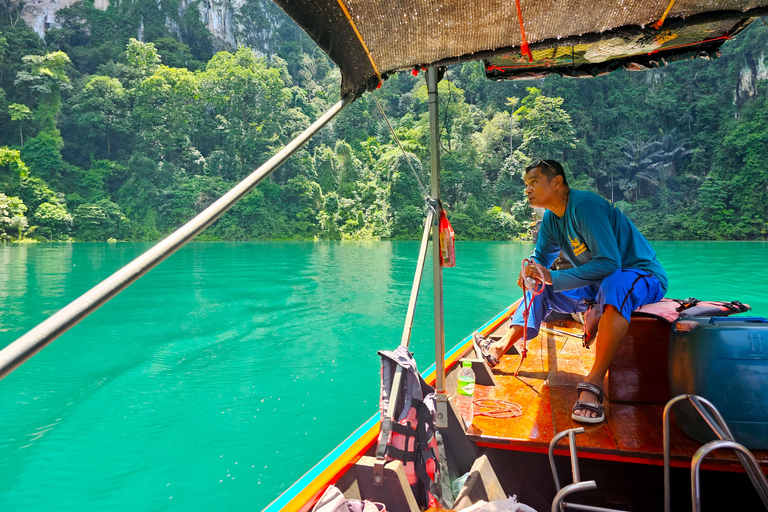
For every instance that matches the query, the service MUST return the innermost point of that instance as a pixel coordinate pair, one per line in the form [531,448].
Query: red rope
[524,49]
[497,408]
[536,288]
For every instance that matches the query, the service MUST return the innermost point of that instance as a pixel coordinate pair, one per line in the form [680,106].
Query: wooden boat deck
[545,389]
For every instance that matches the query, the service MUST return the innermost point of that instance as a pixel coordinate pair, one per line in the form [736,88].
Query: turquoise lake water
[227,372]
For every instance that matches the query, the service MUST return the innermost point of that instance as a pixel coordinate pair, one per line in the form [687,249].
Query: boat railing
[29,344]
[714,419]
[559,504]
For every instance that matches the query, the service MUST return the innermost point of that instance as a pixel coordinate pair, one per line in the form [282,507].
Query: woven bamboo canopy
[371,39]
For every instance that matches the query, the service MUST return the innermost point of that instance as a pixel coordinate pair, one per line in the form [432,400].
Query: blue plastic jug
[725,360]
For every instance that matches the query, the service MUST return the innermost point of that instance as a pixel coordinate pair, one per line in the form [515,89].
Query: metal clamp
[436,206]
[378,472]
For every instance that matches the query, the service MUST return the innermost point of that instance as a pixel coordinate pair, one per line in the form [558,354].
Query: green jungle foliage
[105,137]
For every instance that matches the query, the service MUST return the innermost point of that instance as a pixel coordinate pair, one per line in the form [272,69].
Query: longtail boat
[624,455]
[629,462]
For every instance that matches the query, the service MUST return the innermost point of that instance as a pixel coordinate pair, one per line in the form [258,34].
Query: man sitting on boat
[615,268]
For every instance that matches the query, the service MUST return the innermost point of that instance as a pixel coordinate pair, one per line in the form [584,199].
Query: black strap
[737,306]
[586,386]
[685,304]
[385,429]
[404,430]
[397,453]
[589,406]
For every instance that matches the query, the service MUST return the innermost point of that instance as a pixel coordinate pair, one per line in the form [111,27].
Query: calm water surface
[227,372]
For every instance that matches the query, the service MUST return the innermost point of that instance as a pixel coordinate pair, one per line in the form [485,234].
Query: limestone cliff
[222,17]
[753,69]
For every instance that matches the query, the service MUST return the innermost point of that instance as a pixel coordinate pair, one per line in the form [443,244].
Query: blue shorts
[625,289]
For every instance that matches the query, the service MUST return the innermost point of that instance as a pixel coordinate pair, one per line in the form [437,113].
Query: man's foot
[589,404]
[483,346]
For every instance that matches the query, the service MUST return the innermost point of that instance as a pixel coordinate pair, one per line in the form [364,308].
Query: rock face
[41,14]
[219,16]
[753,69]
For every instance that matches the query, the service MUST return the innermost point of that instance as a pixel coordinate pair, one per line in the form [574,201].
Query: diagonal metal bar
[19,351]
[397,380]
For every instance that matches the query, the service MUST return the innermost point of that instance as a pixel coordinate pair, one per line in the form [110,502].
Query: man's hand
[535,271]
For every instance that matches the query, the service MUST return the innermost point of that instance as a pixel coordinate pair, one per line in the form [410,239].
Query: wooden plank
[637,429]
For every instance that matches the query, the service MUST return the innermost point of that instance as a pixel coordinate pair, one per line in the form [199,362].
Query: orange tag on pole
[447,250]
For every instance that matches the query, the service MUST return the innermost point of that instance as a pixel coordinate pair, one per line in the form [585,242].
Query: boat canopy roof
[371,39]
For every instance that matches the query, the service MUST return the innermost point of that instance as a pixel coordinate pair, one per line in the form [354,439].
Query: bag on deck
[333,500]
[411,437]
[669,310]
[673,309]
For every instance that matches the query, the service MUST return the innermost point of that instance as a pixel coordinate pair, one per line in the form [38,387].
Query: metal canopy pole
[15,354]
[434,146]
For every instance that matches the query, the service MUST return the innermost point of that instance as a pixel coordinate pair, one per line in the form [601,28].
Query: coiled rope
[494,408]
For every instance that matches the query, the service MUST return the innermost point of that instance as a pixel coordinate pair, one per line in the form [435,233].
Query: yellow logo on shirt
[578,247]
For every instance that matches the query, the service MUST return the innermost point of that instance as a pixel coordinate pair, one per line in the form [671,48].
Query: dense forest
[105,137]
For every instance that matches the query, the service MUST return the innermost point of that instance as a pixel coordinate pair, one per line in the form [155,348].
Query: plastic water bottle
[466,392]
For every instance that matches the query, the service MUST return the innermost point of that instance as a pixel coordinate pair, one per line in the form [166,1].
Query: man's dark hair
[549,168]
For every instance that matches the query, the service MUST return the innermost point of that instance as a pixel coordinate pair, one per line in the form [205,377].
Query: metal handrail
[571,434]
[557,503]
[29,344]
[717,423]
[718,445]
[577,486]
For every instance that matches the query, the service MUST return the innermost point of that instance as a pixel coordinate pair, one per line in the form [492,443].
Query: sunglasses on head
[541,162]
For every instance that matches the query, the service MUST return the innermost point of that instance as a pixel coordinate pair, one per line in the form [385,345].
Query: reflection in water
[13,284]
[54,263]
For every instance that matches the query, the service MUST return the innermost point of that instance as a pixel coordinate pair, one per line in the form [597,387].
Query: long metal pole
[405,340]
[434,146]
[15,354]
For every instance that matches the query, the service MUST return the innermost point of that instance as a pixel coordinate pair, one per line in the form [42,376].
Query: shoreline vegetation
[106,138]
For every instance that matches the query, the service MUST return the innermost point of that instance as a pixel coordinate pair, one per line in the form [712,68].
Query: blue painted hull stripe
[321,466]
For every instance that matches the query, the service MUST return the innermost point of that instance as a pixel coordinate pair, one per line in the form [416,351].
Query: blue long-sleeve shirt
[597,238]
